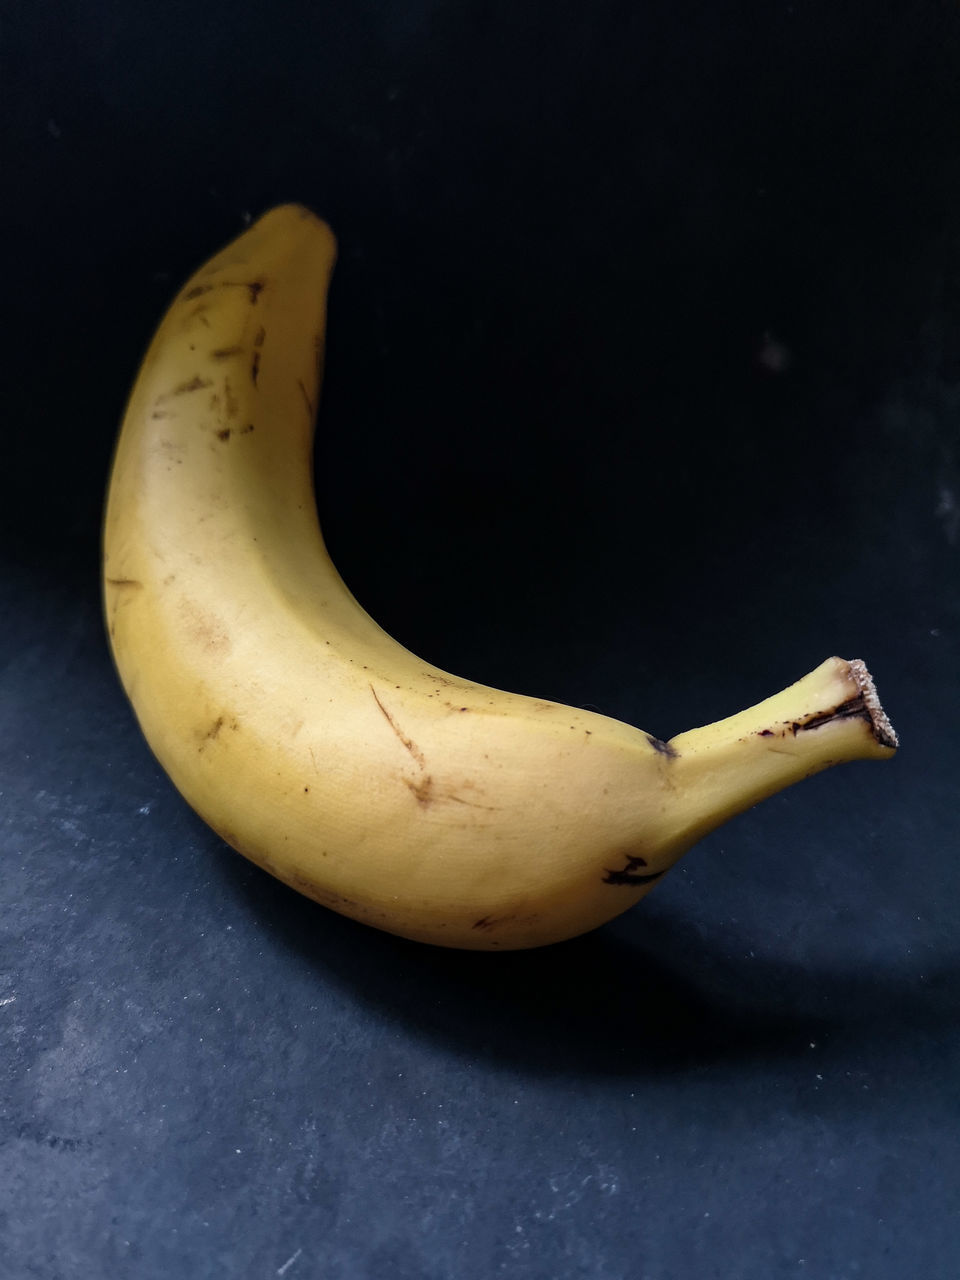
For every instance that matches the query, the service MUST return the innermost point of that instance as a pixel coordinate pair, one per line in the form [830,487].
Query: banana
[316,745]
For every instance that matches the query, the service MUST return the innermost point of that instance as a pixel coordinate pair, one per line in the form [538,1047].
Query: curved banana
[317,746]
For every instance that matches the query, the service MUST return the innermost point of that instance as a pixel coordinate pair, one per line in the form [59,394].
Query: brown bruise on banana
[204,629]
[630,873]
[210,732]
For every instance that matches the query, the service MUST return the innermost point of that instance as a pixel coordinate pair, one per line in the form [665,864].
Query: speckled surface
[643,392]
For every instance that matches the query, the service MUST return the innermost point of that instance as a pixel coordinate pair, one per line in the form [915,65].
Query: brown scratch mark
[490,922]
[232,403]
[208,735]
[195,383]
[407,742]
[472,804]
[196,291]
[662,748]
[212,732]
[423,790]
[313,757]
[224,353]
[306,397]
[161,413]
[305,885]
[259,336]
[125,582]
[254,287]
[446,680]
[255,367]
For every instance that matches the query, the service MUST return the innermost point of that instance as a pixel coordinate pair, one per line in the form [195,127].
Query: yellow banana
[316,745]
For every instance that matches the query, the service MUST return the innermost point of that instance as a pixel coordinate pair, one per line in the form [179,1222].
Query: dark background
[643,392]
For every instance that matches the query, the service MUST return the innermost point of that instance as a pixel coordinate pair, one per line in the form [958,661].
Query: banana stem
[830,716]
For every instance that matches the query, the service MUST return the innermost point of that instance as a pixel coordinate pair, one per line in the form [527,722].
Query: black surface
[553,456]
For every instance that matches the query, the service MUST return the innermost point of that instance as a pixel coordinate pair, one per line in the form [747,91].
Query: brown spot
[224,434]
[629,873]
[224,353]
[662,748]
[196,291]
[259,336]
[766,733]
[255,367]
[407,742]
[245,431]
[423,790]
[232,403]
[161,413]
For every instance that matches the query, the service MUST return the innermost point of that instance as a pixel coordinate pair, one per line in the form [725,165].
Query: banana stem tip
[883,730]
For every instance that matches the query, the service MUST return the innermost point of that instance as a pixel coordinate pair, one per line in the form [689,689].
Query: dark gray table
[643,392]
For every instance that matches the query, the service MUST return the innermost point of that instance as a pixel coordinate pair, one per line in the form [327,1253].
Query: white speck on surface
[7,1000]
[949,513]
[289,1263]
[774,356]
[144,809]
